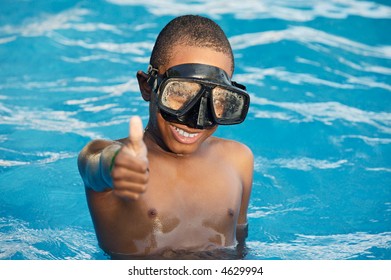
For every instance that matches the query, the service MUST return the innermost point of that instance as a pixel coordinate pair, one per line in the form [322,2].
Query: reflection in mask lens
[177,94]
[227,104]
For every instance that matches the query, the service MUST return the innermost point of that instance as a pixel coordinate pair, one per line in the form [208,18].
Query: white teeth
[185,134]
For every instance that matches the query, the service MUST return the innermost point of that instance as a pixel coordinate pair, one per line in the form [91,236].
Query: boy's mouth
[183,136]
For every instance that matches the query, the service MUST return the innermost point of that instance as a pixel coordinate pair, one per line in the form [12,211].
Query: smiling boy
[174,187]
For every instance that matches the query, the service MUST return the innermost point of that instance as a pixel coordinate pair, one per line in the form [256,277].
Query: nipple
[152,213]
[231,212]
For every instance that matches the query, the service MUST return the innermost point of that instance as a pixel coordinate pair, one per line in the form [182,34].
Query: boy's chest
[198,195]
[198,185]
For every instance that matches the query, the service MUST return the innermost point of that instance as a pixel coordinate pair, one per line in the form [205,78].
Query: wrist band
[113,159]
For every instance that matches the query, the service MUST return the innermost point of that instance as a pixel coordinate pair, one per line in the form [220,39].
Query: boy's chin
[183,149]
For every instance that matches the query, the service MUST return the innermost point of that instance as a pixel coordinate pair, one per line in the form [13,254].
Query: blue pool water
[319,124]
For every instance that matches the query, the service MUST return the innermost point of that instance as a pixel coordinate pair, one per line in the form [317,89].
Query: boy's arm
[120,166]
[247,169]
[94,163]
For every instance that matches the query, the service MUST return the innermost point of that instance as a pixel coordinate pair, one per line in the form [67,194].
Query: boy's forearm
[95,162]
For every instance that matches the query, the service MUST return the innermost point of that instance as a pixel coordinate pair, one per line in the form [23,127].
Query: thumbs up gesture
[130,172]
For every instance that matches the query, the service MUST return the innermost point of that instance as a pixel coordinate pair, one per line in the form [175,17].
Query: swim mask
[199,96]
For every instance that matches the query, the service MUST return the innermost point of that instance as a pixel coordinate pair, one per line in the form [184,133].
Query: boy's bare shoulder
[231,149]
[229,144]
[241,158]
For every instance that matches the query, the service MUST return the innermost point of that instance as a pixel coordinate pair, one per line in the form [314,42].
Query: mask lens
[227,104]
[176,95]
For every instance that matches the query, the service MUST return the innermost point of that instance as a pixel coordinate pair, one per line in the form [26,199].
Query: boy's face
[179,138]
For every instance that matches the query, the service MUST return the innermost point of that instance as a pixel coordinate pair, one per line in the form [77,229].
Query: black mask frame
[199,113]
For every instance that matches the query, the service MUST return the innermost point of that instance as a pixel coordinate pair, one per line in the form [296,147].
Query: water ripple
[37,157]
[365,67]
[88,58]
[137,48]
[326,112]
[48,120]
[6,40]
[308,36]
[300,11]
[17,238]
[77,84]
[378,169]
[111,90]
[257,75]
[260,212]
[371,141]
[327,247]
[298,163]
[46,23]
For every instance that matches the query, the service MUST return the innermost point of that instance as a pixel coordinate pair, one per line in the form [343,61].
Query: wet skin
[172,190]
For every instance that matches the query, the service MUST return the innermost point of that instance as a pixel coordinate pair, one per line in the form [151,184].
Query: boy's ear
[145,89]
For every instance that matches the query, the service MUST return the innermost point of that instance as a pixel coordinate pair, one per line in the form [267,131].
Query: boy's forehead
[189,54]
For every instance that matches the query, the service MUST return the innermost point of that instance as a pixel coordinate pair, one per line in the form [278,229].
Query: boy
[174,187]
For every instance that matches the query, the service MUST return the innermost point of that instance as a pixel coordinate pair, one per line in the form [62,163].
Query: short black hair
[189,30]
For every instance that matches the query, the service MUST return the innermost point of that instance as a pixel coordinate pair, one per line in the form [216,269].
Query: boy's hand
[130,171]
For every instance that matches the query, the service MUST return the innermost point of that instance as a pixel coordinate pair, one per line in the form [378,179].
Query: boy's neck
[157,143]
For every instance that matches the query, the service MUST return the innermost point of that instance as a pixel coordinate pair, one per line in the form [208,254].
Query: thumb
[136,133]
